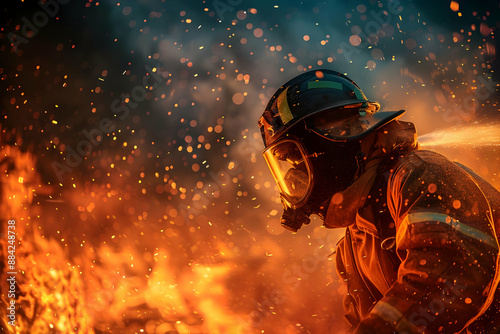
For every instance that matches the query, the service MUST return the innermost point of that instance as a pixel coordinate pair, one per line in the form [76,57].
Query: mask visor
[290,168]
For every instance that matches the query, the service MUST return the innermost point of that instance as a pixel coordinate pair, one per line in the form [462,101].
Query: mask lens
[289,166]
[297,182]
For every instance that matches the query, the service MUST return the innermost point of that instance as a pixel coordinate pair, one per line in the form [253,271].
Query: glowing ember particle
[361,8]
[454,6]
[172,213]
[258,32]
[337,198]
[457,204]
[241,15]
[484,29]
[306,38]
[432,188]
[355,40]
[238,98]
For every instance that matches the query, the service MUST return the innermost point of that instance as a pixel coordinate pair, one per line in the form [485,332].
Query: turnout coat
[420,252]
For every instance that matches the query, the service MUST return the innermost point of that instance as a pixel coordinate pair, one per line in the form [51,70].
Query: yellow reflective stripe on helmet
[392,315]
[283,108]
[424,216]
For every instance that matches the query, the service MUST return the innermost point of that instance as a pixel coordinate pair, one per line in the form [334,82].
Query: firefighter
[420,252]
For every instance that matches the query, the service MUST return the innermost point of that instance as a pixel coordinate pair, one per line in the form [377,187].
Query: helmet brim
[351,128]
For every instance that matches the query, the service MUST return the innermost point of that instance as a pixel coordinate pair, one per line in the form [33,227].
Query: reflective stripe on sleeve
[423,216]
[393,316]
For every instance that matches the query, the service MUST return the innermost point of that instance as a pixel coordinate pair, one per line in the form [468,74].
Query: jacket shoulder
[429,181]
[422,159]
[422,166]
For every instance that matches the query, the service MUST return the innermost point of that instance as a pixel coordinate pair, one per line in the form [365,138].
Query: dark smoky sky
[406,59]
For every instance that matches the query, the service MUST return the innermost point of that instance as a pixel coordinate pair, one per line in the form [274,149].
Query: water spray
[471,136]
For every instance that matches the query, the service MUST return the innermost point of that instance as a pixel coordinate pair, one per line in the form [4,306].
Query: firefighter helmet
[311,129]
[347,113]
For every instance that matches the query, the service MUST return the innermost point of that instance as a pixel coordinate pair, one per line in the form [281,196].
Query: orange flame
[188,283]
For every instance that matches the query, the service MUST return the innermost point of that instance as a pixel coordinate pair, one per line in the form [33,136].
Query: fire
[88,263]
[49,298]
[91,264]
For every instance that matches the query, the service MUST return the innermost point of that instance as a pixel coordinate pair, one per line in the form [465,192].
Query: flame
[129,275]
[51,284]
[130,283]
[51,300]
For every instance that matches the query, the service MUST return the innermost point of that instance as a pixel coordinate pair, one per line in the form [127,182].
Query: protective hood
[392,139]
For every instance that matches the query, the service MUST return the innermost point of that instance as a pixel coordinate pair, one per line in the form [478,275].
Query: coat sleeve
[446,241]
[350,301]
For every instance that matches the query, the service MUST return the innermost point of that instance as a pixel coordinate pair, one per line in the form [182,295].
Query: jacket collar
[395,137]
[344,205]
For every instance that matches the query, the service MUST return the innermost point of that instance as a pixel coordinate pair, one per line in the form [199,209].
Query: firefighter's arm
[448,249]
[350,300]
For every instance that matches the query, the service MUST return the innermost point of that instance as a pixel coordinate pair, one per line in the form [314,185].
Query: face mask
[309,169]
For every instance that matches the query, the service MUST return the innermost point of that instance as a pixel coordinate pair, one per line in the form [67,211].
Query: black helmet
[311,129]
